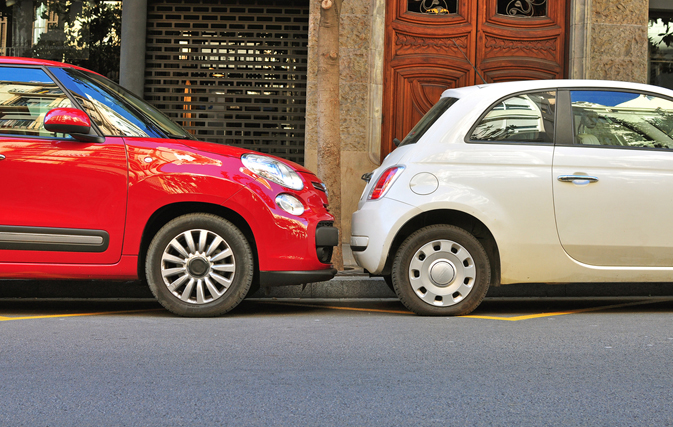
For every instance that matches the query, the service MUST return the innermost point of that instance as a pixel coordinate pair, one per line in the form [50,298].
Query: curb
[363,286]
[343,286]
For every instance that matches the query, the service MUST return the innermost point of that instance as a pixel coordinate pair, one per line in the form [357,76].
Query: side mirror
[72,121]
[397,142]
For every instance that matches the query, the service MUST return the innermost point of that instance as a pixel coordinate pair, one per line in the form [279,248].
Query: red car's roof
[36,61]
[30,61]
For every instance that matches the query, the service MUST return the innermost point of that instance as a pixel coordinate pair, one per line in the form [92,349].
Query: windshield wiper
[184,136]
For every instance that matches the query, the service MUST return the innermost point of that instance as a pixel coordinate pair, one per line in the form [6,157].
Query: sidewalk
[351,283]
[354,283]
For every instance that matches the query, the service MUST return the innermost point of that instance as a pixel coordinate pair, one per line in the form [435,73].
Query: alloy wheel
[198,266]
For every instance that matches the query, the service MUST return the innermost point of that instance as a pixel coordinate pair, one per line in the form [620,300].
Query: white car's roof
[501,89]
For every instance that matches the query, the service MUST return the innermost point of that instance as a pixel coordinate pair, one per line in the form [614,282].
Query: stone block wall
[609,40]
[361,89]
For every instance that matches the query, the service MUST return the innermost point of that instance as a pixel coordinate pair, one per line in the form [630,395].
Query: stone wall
[361,51]
[608,40]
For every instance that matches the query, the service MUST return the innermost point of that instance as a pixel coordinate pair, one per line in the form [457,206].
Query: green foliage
[101,27]
[91,38]
[666,36]
[661,63]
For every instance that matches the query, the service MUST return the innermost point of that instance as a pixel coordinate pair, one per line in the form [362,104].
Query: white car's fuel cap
[424,183]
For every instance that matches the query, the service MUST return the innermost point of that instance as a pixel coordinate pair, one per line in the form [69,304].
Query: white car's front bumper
[374,227]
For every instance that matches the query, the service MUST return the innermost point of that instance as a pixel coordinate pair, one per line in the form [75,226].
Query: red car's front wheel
[199,265]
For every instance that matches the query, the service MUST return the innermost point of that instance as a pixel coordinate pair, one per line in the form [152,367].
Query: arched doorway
[428,41]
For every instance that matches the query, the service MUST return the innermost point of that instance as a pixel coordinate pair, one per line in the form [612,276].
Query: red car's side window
[26,95]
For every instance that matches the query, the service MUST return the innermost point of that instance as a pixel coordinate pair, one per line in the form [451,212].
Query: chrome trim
[2,157]
[319,186]
[50,238]
[578,179]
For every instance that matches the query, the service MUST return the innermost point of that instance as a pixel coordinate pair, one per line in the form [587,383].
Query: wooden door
[429,43]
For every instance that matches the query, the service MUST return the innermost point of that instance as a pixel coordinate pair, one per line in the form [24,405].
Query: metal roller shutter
[231,71]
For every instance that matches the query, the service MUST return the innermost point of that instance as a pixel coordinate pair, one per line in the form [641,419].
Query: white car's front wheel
[441,270]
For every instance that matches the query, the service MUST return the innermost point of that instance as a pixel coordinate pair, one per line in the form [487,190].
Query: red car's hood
[229,150]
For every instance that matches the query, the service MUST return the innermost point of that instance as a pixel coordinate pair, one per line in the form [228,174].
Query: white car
[552,181]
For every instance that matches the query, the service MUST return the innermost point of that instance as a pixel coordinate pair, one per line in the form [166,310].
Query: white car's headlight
[273,170]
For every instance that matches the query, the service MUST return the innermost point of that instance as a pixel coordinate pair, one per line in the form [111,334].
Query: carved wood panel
[518,47]
[426,53]
[422,59]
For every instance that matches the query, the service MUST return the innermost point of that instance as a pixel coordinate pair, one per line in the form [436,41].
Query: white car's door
[613,181]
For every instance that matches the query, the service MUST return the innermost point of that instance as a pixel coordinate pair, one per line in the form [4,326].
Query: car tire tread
[400,270]
[244,265]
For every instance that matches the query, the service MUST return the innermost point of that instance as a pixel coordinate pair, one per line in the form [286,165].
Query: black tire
[441,270]
[216,270]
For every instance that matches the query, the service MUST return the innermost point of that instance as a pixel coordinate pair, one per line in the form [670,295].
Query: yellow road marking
[476,316]
[562,313]
[51,316]
[298,304]
[375,310]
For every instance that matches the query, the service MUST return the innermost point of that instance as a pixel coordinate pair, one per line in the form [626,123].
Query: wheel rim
[198,266]
[442,273]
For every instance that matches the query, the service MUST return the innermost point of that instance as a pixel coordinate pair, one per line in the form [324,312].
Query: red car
[98,184]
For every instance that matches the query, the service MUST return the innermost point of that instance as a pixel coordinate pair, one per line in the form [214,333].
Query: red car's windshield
[116,111]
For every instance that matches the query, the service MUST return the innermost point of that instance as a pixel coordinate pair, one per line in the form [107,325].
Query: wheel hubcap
[442,273]
[198,266]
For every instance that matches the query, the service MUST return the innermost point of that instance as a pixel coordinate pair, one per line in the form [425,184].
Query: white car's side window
[428,120]
[622,119]
[527,117]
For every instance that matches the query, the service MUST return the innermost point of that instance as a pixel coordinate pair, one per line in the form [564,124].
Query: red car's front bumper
[291,249]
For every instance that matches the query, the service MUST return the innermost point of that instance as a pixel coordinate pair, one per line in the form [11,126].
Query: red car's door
[63,201]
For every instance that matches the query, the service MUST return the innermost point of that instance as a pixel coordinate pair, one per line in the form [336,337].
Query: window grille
[231,71]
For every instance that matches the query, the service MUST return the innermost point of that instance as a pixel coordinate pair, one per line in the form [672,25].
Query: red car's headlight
[273,170]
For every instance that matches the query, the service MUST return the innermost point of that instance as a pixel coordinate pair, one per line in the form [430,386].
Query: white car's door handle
[578,179]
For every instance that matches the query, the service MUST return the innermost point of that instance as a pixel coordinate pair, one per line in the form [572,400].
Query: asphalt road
[517,362]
